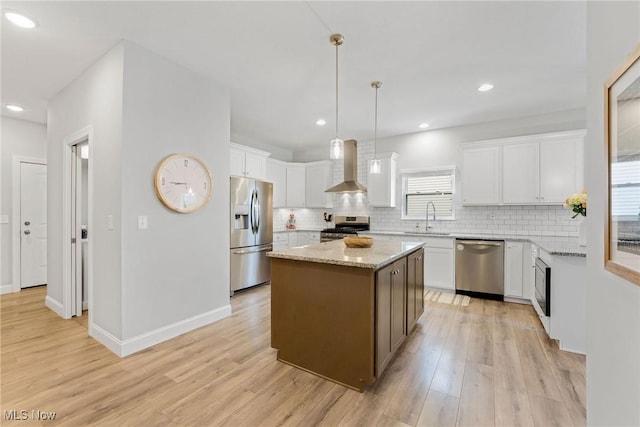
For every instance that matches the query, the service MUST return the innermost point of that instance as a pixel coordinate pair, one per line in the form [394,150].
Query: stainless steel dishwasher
[480,268]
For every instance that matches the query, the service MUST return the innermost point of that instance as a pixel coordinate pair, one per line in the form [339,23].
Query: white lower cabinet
[439,263]
[314,237]
[280,240]
[513,269]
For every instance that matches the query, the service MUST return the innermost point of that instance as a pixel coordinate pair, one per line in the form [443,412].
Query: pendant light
[375,165]
[336,150]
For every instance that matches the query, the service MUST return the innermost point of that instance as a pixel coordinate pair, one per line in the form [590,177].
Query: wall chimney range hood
[350,183]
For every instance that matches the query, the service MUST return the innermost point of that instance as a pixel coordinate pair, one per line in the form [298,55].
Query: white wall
[19,138]
[179,267]
[93,99]
[148,285]
[613,305]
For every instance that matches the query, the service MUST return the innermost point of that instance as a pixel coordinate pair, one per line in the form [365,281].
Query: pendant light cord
[337,90]
[375,125]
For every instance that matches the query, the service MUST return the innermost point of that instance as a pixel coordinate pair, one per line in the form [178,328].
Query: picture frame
[622,136]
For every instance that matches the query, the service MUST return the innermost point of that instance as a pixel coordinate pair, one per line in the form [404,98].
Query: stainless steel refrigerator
[251,232]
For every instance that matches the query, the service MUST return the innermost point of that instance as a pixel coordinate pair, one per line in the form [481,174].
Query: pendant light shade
[375,165]
[336,146]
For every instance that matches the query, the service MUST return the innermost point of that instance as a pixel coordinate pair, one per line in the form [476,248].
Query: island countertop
[382,252]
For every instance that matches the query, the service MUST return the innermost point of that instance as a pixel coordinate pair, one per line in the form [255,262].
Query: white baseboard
[6,289]
[132,345]
[517,300]
[54,306]
[105,338]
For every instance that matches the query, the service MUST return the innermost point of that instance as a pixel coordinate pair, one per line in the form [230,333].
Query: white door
[33,224]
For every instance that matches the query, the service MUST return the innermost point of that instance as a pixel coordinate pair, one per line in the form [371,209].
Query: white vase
[582,233]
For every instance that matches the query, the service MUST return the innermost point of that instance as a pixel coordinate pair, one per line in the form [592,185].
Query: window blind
[625,189]
[422,188]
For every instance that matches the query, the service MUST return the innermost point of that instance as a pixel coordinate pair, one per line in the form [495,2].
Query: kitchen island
[342,313]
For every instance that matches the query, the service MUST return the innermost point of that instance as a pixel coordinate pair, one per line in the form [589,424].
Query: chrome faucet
[427,216]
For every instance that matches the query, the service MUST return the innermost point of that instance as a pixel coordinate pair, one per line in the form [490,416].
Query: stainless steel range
[345,226]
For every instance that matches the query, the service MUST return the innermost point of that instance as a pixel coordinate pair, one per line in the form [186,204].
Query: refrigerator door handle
[252,210]
[257,204]
[263,248]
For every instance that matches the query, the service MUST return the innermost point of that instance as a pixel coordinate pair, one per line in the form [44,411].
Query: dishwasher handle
[479,243]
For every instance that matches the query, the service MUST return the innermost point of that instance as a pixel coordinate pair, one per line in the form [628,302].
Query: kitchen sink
[428,233]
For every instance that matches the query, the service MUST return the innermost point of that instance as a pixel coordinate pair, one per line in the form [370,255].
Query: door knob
[27,232]
[27,223]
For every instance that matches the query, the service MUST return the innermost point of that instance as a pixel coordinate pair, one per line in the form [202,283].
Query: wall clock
[183,183]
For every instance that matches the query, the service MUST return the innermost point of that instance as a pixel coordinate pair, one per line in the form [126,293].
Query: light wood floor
[486,364]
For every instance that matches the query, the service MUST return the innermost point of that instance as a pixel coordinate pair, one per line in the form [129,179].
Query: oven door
[543,287]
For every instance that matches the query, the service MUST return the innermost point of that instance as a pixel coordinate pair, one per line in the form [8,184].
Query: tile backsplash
[514,220]
[506,220]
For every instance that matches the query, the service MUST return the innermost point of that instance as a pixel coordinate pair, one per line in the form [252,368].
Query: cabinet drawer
[439,243]
[280,237]
[314,237]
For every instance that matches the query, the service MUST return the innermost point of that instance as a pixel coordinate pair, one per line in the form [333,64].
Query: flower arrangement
[577,203]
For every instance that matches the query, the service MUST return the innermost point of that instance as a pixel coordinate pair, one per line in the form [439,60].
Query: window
[421,187]
[625,189]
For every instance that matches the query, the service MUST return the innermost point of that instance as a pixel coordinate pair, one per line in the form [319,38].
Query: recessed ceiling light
[15,108]
[321,122]
[423,125]
[20,20]
[485,87]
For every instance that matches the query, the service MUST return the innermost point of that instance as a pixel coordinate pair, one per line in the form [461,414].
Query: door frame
[15,213]
[80,136]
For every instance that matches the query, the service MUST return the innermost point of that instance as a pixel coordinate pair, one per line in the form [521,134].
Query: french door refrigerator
[251,232]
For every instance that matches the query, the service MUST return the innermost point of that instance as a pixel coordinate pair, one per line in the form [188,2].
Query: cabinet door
[559,169]
[399,303]
[236,165]
[384,347]
[296,178]
[520,173]
[318,179]
[255,165]
[277,174]
[314,237]
[293,239]
[481,172]
[415,288]
[528,271]
[439,268]
[302,238]
[513,269]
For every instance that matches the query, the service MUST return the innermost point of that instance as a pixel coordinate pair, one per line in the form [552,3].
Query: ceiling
[278,63]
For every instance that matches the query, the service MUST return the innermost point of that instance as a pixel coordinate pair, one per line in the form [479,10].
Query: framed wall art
[622,135]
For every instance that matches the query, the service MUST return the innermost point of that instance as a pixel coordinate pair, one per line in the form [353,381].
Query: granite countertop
[558,246]
[382,252]
[284,230]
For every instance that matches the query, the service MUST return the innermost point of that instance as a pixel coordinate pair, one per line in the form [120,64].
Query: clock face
[183,183]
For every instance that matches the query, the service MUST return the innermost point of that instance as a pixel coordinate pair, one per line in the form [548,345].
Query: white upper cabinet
[381,187]
[296,180]
[560,168]
[277,174]
[319,176]
[520,173]
[481,172]
[247,162]
[533,169]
